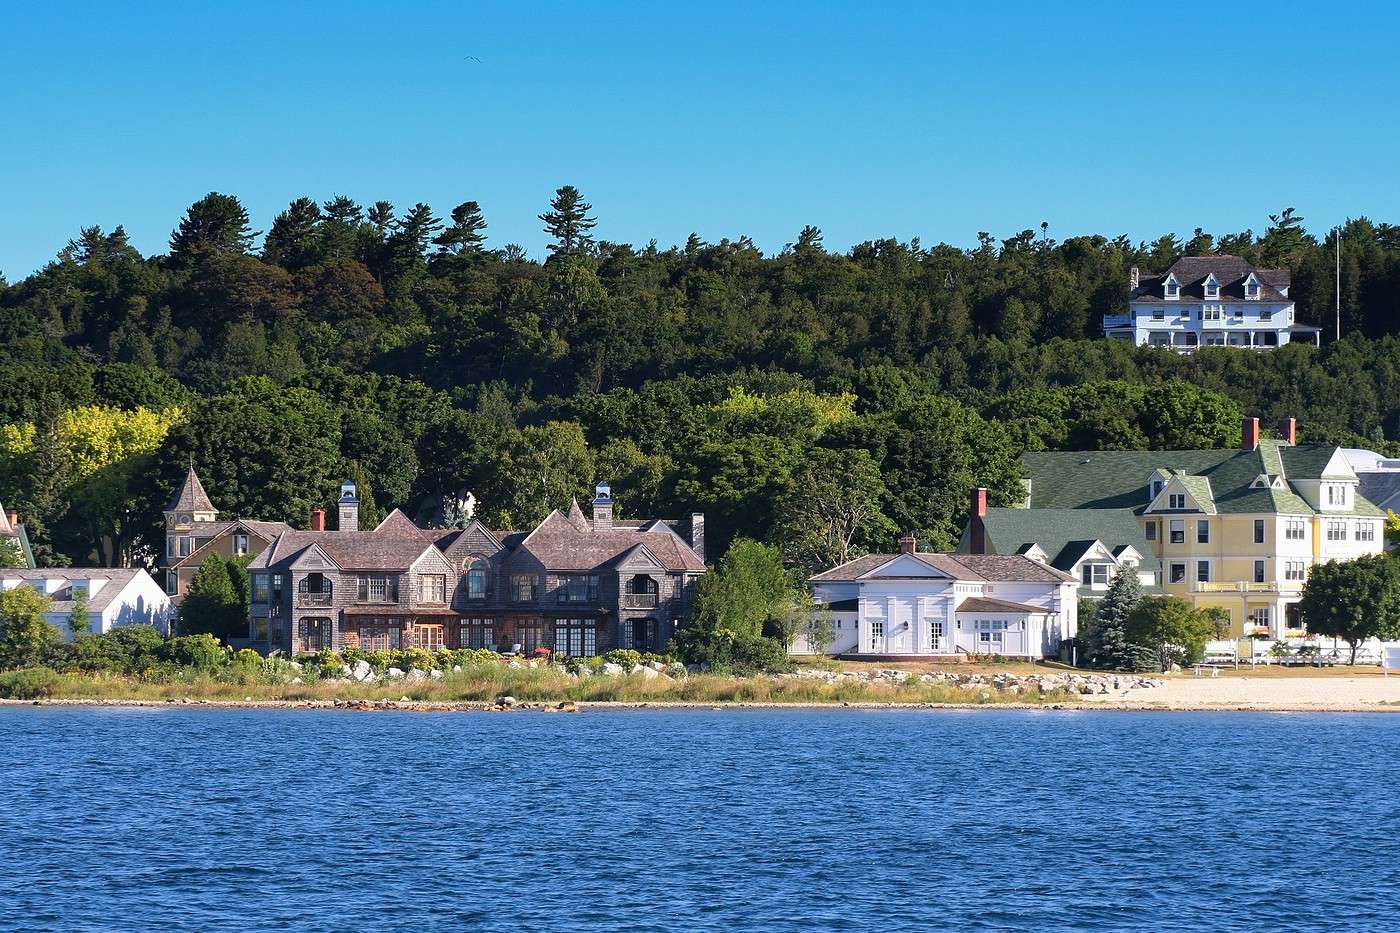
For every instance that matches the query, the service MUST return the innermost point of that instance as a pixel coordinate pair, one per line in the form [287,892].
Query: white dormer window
[1176,501]
[1212,286]
[1251,287]
[1171,290]
[1155,488]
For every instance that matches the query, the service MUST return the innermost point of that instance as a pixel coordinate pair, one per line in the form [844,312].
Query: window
[1266,315]
[1202,531]
[1258,531]
[430,637]
[522,587]
[935,635]
[240,545]
[1159,314]
[277,588]
[180,545]
[577,638]
[1171,291]
[1336,531]
[1365,531]
[379,588]
[1176,500]
[529,635]
[172,582]
[1239,313]
[877,635]
[1151,530]
[579,588]
[1259,616]
[260,588]
[1251,288]
[1214,312]
[314,634]
[258,632]
[1259,571]
[1202,571]
[476,633]
[379,636]
[432,588]
[1295,529]
[476,580]
[1178,573]
[1295,570]
[1178,531]
[1095,574]
[1212,286]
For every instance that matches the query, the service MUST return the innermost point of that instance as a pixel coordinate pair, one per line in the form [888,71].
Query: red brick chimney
[1133,278]
[318,519]
[1249,437]
[13,516]
[908,544]
[977,528]
[1288,431]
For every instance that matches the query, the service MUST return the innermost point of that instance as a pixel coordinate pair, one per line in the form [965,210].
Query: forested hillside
[818,400]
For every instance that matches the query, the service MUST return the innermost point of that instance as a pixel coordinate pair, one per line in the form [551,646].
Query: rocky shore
[1071,682]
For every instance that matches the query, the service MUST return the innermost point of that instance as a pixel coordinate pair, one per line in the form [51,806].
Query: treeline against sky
[397,348]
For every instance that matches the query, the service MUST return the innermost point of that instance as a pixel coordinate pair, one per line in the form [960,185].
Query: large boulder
[394,673]
[613,670]
[414,676]
[646,673]
[361,670]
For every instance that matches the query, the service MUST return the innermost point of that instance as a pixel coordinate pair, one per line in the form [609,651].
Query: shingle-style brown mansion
[577,585]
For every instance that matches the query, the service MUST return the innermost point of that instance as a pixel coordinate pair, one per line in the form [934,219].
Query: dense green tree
[25,637]
[1105,639]
[1175,631]
[1353,600]
[831,513]
[464,235]
[211,605]
[740,606]
[293,241]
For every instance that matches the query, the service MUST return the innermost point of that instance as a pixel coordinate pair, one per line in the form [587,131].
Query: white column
[861,625]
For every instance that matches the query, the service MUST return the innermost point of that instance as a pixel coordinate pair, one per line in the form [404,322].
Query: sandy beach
[1297,691]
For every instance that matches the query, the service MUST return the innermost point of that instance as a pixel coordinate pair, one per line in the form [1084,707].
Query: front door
[901,627]
[643,634]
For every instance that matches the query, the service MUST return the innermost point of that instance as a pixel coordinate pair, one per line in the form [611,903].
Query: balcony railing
[313,599]
[639,600]
[1241,586]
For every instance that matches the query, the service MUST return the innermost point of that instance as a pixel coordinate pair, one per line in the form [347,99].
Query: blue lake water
[137,819]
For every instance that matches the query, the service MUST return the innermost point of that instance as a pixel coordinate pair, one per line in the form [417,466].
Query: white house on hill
[114,596]
[915,604]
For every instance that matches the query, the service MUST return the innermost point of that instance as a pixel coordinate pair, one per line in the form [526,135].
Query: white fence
[1316,652]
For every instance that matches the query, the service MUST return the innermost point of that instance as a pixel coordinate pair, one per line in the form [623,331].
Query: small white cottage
[115,596]
[924,605]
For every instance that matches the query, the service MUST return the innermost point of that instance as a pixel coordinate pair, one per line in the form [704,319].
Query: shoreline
[1117,704]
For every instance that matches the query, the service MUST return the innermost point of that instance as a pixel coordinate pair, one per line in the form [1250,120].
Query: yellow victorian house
[1238,529]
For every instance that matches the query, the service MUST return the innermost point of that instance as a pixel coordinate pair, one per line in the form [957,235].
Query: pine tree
[211,606]
[78,616]
[215,225]
[293,240]
[568,222]
[1111,647]
[464,236]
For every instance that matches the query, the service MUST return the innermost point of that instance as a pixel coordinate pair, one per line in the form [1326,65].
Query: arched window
[477,577]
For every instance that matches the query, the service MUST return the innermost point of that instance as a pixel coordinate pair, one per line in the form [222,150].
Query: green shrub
[625,657]
[420,658]
[126,649]
[197,652]
[30,683]
[477,657]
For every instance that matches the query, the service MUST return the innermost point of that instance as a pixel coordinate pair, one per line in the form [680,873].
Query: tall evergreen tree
[465,234]
[215,225]
[568,222]
[211,606]
[1111,648]
[293,241]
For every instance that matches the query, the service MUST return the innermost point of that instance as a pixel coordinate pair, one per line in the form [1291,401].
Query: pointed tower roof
[191,497]
[576,516]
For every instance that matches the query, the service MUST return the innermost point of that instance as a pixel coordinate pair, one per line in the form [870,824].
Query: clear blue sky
[865,119]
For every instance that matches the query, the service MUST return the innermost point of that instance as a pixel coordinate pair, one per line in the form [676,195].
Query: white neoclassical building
[1210,301]
[115,596]
[928,605]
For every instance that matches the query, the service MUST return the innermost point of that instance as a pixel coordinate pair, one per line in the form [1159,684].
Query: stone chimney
[1288,431]
[697,533]
[318,519]
[1133,278]
[1249,435]
[349,508]
[976,526]
[602,507]
[908,544]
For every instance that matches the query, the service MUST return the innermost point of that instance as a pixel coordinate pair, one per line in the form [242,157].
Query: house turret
[602,507]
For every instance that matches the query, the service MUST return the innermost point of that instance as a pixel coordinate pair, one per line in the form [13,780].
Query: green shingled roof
[1117,479]
[1063,534]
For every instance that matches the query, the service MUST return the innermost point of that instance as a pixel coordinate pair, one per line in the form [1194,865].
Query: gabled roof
[1011,531]
[191,497]
[397,523]
[1012,568]
[1231,272]
[558,543]
[1116,479]
[1382,489]
[349,550]
[61,600]
[987,604]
